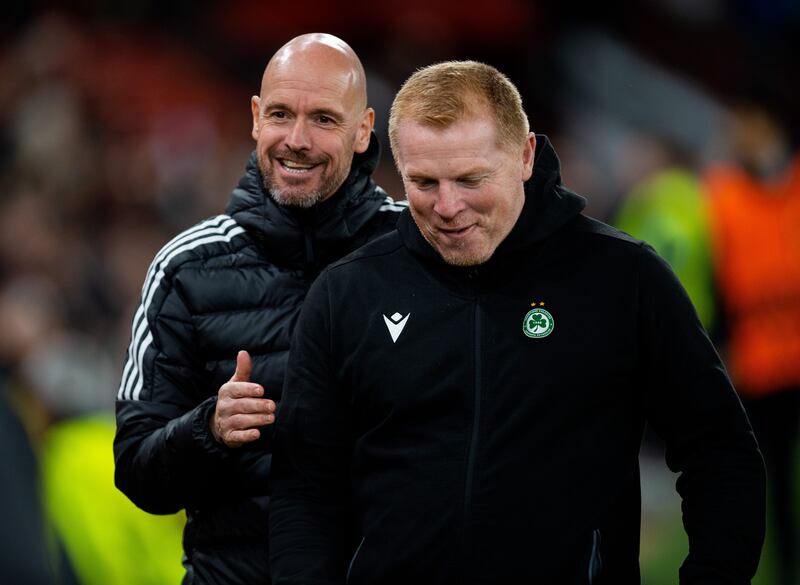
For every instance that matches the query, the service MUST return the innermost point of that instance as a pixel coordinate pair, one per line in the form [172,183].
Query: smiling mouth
[455,233]
[296,167]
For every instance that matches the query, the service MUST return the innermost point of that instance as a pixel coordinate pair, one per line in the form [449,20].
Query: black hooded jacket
[482,424]
[235,281]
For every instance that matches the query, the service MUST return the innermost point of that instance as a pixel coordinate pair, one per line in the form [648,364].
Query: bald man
[210,339]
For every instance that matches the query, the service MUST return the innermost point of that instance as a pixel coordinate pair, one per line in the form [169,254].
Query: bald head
[310,119]
[322,51]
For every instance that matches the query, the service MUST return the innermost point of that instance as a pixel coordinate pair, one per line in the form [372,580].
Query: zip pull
[353,560]
[595,559]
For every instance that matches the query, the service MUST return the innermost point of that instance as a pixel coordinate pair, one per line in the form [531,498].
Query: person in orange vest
[755,221]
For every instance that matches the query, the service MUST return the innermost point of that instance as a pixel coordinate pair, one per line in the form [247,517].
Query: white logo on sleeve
[395,324]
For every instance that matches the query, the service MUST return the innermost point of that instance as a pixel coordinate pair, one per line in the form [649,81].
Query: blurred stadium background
[121,123]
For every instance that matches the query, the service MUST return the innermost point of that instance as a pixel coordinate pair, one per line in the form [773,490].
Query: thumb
[244,367]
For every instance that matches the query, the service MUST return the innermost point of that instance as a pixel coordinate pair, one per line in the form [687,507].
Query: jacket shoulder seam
[196,243]
[597,228]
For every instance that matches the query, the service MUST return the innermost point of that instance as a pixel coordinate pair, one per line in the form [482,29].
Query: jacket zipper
[595,560]
[353,560]
[473,443]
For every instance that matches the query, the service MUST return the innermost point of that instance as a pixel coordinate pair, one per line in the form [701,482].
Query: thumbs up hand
[240,407]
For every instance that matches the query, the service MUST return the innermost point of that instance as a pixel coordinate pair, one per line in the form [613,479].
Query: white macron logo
[395,324]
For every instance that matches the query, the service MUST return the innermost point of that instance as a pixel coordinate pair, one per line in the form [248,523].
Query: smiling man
[189,434]
[452,398]
[440,165]
[310,118]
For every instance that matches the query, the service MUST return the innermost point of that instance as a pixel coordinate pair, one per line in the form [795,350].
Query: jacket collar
[548,206]
[284,232]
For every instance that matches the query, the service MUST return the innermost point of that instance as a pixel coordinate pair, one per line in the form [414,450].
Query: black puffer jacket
[235,281]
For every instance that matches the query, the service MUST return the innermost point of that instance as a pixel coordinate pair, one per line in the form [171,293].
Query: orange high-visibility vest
[756,245]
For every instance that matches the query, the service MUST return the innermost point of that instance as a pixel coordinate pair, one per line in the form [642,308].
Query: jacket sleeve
[312,450]
[692,405]
[165,456]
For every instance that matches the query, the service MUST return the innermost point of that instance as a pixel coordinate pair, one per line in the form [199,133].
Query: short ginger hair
[441,94]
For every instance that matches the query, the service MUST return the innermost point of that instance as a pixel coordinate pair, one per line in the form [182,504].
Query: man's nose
[448,201]
[298,137]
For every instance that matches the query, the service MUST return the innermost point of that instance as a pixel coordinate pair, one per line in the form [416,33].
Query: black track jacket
[446,425]
[235,281]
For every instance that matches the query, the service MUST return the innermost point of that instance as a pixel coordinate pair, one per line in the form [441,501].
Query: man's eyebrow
[274,106]
[269,106]
[476,173]
[327,112]
[419,176]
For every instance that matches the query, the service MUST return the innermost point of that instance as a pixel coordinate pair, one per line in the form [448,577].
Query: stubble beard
[288,196]
[459,256]
[292,198]
[455,256]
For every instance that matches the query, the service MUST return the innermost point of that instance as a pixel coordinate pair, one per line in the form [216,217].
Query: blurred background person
[68,377]
[755,216]
[24,554]
[28,553]
[57,379]
[668,210]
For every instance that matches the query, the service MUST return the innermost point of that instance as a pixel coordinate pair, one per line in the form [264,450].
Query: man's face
[308,123]
[465,191]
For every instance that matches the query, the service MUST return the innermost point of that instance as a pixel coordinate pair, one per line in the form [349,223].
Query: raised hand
[240,407]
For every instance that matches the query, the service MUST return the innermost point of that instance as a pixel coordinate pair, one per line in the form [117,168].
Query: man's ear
[255,106]
[528,155]
[364,130]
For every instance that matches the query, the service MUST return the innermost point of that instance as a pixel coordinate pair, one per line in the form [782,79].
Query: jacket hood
[548,206]
[284,231]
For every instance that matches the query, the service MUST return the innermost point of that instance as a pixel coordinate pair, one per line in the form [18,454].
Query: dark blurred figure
[26,544]
[24,557]
[58,474]
[755,215]
[66,379]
